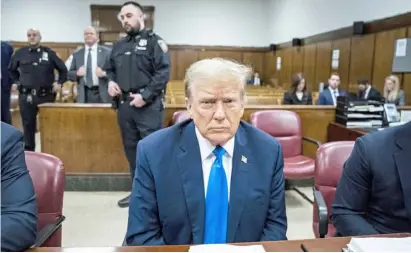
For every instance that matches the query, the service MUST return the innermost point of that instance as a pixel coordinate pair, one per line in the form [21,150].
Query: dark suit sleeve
[161,75]
[321,99]
[72,72]
[287,99]
[60,66]
[144,227]
[18,199]
[353,193]
[310,98]
[110,66]
[275,228]
[14,68]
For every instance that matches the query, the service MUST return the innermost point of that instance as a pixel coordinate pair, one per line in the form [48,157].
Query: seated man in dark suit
[213,178]
[374,192]
[366,91]
[329,95]
[18,199]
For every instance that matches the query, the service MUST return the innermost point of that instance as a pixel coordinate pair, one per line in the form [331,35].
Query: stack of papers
[380,244]
[226,248]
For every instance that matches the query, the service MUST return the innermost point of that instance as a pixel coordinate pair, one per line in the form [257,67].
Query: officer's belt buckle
[33,92]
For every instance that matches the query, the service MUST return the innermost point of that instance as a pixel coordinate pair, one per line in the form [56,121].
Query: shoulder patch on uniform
[163,45]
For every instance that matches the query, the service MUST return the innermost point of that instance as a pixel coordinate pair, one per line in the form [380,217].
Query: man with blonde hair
[213,178]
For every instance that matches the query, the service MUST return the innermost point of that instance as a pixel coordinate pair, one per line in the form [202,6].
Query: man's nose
[219,113]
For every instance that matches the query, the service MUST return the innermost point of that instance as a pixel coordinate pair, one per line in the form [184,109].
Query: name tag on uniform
[45,56]
[127,53]
[140,48]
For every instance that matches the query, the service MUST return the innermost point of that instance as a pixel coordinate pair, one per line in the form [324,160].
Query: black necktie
[89,70]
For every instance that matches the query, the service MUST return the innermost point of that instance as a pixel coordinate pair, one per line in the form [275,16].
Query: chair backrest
[329,163]
[284,125]
[180,116]
[47,173]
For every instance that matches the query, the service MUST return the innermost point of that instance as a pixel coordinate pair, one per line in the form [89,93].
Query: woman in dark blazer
[298,94]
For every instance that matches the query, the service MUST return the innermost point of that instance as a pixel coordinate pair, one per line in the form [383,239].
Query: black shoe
[124,202]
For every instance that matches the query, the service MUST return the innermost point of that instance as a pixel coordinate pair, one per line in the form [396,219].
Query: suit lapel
[190,165]
[80,58]
[100,57]
[242,163]
[403,161]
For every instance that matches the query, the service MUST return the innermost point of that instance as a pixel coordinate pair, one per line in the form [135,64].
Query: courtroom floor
[94,220]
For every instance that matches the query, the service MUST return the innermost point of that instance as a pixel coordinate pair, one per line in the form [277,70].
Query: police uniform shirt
[140,64]
[34,67]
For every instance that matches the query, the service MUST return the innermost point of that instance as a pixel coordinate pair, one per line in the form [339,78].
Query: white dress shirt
[207,159]
[257,81]
[367,92]
[93,61]
[334,95]
[299,95]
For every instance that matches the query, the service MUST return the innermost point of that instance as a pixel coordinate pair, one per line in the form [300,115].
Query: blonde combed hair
[392,95]
[218,70]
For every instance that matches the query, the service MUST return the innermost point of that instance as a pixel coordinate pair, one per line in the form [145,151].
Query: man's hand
[56,87]
[100,72]
[137,100]
[113,89]
[14,87]
[81,71]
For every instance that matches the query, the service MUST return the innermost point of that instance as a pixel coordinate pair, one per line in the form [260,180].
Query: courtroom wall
[188,22]
[302,18]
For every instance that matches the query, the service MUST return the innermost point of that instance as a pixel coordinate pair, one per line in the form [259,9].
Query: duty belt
[41,92]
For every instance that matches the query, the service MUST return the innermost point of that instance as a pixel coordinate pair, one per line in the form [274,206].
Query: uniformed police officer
[32,71]
[138,71]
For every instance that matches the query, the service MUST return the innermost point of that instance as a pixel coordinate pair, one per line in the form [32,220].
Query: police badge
[163,45]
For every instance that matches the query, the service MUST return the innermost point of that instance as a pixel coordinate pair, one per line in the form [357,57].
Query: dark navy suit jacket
[374,193]
[6,53]
[18,199]
[326,98]
[167,204]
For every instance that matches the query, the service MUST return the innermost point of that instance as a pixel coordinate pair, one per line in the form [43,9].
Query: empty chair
[329,164]
[285,126]
[48,177]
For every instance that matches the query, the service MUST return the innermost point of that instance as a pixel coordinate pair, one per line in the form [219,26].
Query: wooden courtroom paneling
[270,65]
[406,83]
[286,67]
[87,138]
[254,60]
[362,55]
[298,60]
[323,62]
[185,58]
[310,53]
[383,55]
[344,45]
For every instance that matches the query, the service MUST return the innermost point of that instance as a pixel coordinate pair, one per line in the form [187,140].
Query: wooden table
[338,132]
[313,245]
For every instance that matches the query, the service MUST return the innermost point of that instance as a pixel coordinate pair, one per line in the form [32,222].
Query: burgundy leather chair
[47,173]
[329,164]
[180,116]
[285,126]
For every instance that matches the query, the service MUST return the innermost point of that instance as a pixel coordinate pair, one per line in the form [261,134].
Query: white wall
[302,18]
[192,22]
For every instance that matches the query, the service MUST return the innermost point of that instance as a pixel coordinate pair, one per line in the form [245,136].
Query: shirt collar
[206,148]
[93,47]
[368,89]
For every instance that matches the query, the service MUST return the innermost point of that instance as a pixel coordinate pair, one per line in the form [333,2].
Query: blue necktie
[216,202]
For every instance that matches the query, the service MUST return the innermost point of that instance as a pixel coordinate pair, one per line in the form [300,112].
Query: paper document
[380,244]
[226,248]
[401,49]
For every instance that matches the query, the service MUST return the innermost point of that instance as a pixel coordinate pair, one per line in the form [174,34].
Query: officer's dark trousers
[28,111]
[135,124]
[5,107]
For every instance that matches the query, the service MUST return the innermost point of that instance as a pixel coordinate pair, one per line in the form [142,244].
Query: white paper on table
[380,244]
[226,248]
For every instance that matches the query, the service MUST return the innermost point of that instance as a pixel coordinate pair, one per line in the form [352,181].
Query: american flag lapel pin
[244,159]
